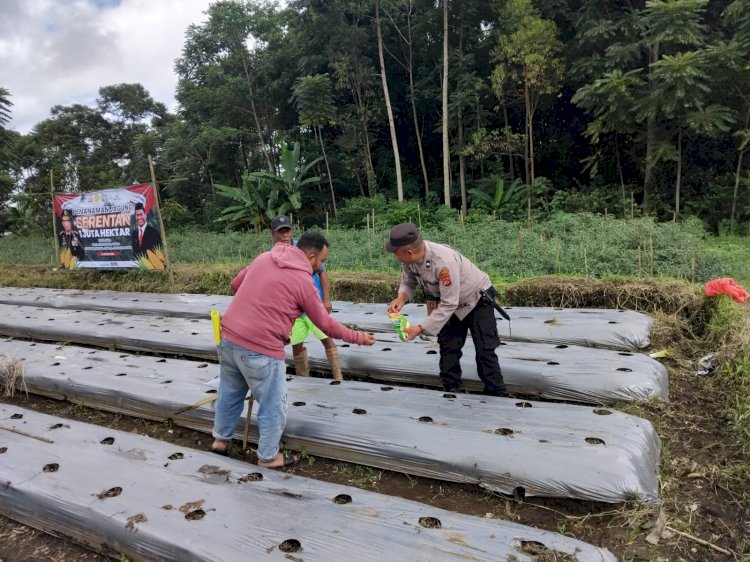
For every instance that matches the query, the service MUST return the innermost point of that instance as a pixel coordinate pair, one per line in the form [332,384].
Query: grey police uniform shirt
[449,276]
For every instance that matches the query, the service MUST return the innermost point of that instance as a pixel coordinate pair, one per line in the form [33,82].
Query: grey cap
[402,235]
[282,221]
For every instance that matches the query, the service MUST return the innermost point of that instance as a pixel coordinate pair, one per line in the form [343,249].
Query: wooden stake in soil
[161,222]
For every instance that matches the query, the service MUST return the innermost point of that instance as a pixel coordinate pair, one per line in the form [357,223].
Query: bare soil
[705,478]
[700,495]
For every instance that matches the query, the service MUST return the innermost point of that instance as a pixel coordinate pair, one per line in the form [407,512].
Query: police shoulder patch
[445,277]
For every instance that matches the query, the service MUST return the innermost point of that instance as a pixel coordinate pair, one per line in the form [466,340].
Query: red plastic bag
[726,286]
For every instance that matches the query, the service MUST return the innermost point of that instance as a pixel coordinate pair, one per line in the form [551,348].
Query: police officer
[465,299]
[69,238]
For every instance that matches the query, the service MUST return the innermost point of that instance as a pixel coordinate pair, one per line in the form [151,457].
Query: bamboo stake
[692,269]
[640,271]
[198,404]
[419,217]
[326,221]
[19,432]
[651,246]
[161,222]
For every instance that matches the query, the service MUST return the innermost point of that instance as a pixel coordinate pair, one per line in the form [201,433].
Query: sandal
[287,458]
[223,452]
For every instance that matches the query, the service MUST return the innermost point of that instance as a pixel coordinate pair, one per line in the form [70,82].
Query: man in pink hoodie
[269,294]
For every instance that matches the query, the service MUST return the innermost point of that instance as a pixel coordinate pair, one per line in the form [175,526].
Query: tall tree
[528,57]
[389,109]
[314,100]
[669,25]
[444,87]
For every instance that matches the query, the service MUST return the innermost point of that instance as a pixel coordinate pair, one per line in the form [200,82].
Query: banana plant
[501,196]
[264,195]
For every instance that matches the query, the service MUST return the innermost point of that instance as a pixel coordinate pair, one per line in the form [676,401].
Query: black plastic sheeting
[505,445]
[609,328]
[555,372]
[544,370]
[149,500]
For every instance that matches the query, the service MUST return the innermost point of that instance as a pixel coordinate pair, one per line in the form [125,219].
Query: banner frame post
[161,221]
[55,241]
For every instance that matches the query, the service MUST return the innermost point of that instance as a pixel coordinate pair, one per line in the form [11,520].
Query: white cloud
[60,52]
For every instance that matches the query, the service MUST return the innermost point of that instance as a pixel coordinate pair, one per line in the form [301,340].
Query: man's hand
[328,306]
[369,339]
[396,305]
[412,332]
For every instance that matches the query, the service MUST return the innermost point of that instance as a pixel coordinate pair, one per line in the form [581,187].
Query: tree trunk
[510,148]
[446,146]
[362,111]
[529,152]
[650,134]
[417,132]
[461,157]
[619,173]
[328,171]
[679,177]
[261,136]
[389,109]
[737,175]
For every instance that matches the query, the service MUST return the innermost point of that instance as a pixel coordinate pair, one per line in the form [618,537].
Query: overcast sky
[60,52]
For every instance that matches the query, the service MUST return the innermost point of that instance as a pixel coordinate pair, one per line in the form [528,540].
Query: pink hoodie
[269,295]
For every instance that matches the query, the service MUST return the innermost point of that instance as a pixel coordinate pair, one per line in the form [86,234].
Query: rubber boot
[335,362]
[301,364]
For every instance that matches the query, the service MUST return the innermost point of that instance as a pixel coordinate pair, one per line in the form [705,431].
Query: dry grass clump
[13,376]
[646,295]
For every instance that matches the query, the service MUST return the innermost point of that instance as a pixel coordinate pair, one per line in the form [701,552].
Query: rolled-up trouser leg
[301,363]
[335,362]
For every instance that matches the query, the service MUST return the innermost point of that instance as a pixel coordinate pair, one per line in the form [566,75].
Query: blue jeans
[265,377]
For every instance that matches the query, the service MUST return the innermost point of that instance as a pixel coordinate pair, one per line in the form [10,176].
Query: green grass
[566,244]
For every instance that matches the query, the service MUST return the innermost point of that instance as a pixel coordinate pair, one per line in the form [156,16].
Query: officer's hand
[412,332]
[369,339]
[395,306]
[328,306]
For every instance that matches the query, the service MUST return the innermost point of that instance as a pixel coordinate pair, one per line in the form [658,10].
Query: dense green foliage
[582,244]
[625,108]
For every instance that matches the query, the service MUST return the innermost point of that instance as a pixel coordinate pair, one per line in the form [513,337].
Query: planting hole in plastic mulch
[3,449]
[252,477]
[107,441]
[334,383]
[625,354]
[111,493]
[176,456]
[386,388]
[449,396]
[524,405]
[290,545]
[552,363]
[214,391]
[16,416]
[165,382]
[430,523]
[202,366]
[51,467]
[299,403]
[503,431]
[432,352]
[602,412]
[121,375]
[195,515]
[425,419]
[57,426]
[386,349]
[624,369]
[359,411]
[595,441]
[561,347]
[342,499]
[532,548]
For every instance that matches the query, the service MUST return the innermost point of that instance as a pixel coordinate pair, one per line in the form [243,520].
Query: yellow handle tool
[216,323]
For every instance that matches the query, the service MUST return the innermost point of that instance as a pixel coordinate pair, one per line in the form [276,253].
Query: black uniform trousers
[483,327]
